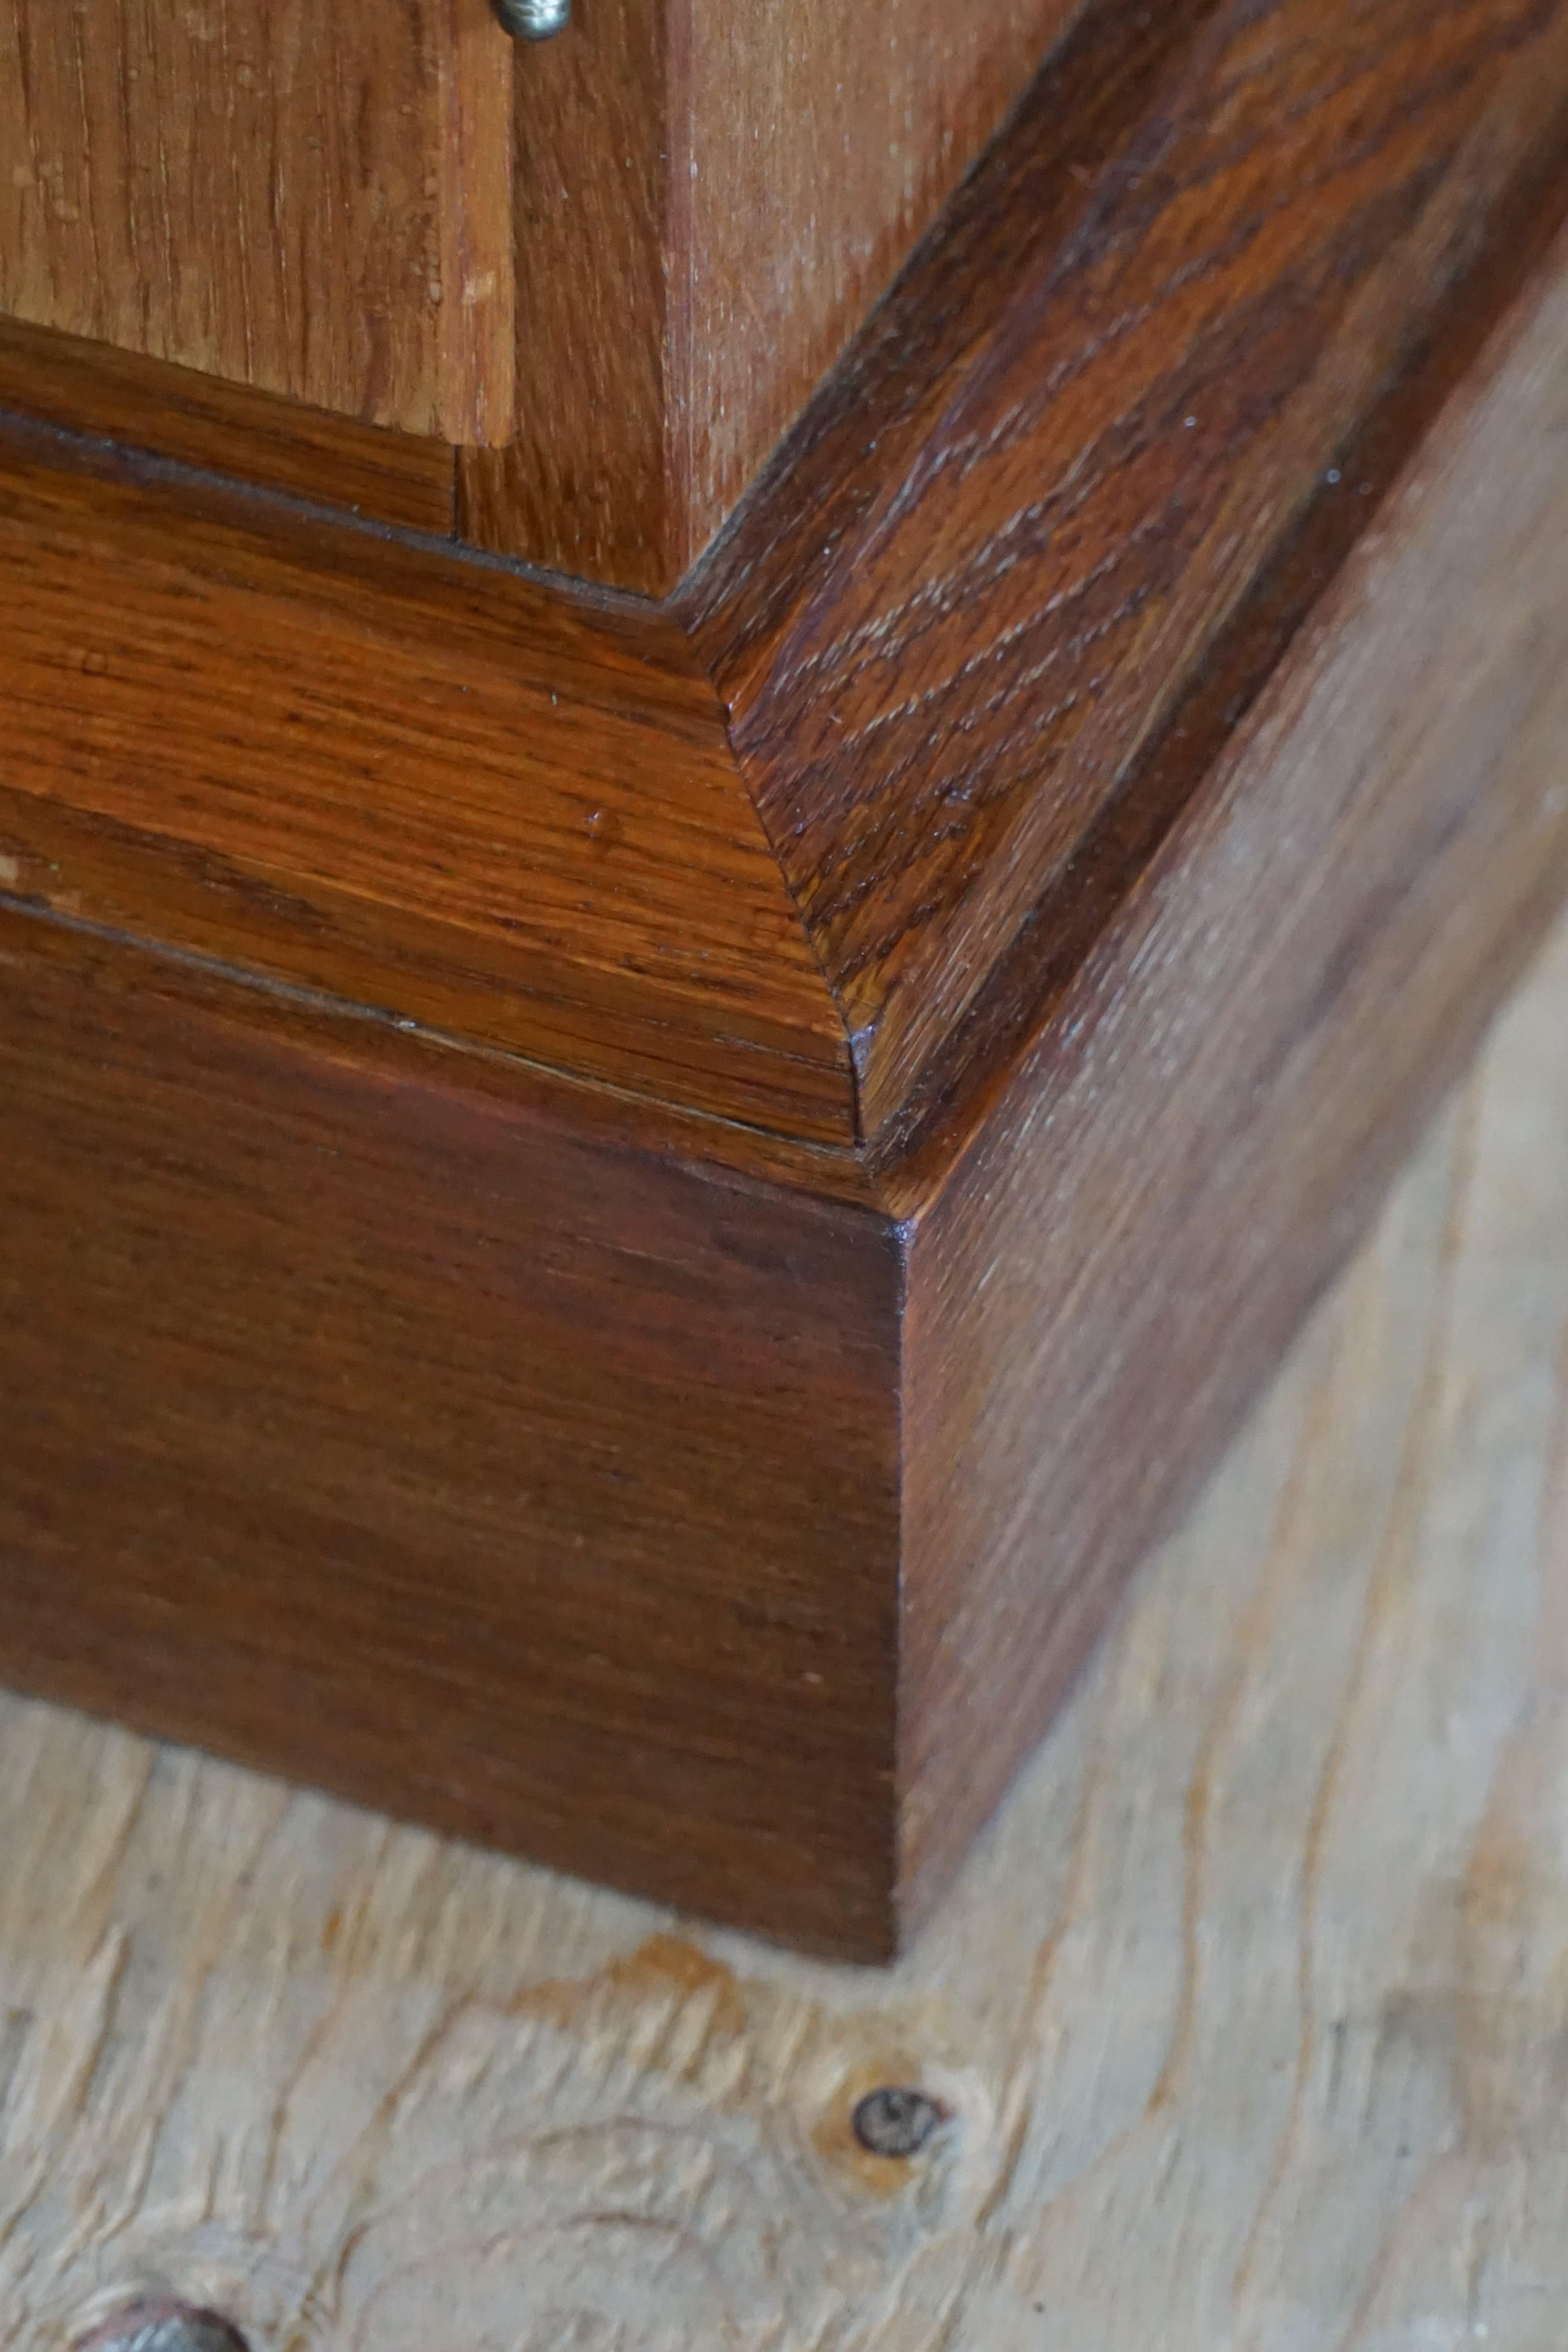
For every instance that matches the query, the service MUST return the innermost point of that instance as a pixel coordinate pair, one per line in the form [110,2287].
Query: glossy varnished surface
[1097,448]
[1246,2015]
[356,1417]
[1180,1159]
[311,201]
[425,788]
[998,550]
[708,201]
[416,1026]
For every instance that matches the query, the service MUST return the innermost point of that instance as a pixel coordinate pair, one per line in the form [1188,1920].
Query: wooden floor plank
[1248,2015]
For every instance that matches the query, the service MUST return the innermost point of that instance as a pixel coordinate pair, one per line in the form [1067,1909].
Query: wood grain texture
[350,827]
[820,151]
[1107,1270]
[1147,234]
[428,789]
[700,211]
[588,485]
[178,413]
[1247,2013]
[511,1379]
[356,1419]
[1000,548]
[302,199]
[475,290]
[708,201]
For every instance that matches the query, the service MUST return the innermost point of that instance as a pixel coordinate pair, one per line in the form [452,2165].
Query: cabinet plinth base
[619,1222]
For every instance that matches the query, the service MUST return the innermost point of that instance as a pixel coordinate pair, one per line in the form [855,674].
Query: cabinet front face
[304,196]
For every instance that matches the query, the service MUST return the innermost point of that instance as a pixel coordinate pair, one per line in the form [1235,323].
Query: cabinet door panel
[310,198]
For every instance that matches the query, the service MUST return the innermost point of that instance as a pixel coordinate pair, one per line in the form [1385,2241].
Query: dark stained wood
[820,149]
[1111,1268]
[357,1424]
[708,200]
[402,479]
[430,790]
[440,1097]
[636,249]
[499,865]
[309,200]
[1003,545]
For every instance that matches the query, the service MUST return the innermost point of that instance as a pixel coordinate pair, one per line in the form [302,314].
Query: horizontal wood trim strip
[363,775]
[520,814]
[199,420]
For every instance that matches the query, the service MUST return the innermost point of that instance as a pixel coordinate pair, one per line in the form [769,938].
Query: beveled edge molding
[523,816]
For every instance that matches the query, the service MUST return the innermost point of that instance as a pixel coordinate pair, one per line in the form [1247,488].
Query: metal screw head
[896,2122]
[154,2323]
[534,20]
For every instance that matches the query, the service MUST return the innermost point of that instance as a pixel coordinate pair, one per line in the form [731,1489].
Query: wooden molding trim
[144,149]
[177,414]
[422,786]
[1007,541]
[1194,1137]
[708,201]
[937,648]
[620,1221]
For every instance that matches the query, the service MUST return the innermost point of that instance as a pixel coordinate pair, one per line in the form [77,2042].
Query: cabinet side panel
[822,147]
[995,563]
[710,201]
[416,1444]
[281,193]
[1197,1136]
